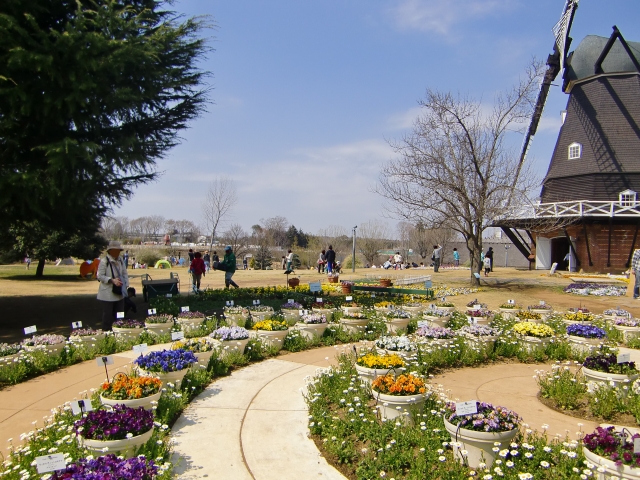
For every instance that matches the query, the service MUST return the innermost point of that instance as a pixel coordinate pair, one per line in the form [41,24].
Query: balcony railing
[578,208]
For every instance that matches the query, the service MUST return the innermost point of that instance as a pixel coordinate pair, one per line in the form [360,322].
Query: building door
[543,253]
[559,249]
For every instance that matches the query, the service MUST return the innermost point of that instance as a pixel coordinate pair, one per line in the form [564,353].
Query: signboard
[120,315]
[184,309]
[29,330]
[466,408]
[349,299]
[229,303]
[151,311]
[80,406]
[141,349]
[624,357]
[75,325]
[50,463]
[177,336]
[315,287]
[104,361]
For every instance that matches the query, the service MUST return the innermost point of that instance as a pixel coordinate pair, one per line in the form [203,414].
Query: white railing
[577,208]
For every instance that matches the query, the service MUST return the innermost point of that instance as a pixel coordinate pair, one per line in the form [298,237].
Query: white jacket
[104,276]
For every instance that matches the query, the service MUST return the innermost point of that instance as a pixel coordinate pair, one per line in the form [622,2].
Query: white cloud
[404,120]
[550,123]
[440,16]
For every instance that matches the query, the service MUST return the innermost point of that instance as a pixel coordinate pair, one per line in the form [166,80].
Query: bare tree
[137,227]
[276,230]
[338,237]
[238,239]
[405,230]
[220,199]
[372,237]
[426,238]
[454,169]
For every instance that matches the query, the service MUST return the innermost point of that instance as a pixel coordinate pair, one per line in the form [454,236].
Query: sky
[306,96]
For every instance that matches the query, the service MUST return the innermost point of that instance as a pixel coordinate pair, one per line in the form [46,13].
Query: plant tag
[314,287]
[106,360]
[348,299]
[624,357]
[422,323]
[432,306]
[184,309]
[290,300]
[229,303]
[79,406]
[443,299]
[373,295]
[472,320]
[120,315]
[76,325]
[636,445]
[31,329]
[477,307]
[466,408]
[301,312]
[541,302]
[477,275]
[511,302]
[256,302]
[318,300]
[151,311]
[169,295]
[50,463]
[140,348]
[177,336]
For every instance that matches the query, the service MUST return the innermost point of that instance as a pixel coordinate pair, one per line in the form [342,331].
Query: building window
[575,151]
[628,198]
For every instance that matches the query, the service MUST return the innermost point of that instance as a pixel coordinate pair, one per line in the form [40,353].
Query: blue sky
[307,94]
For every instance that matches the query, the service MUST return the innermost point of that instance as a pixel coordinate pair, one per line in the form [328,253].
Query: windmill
[589,200]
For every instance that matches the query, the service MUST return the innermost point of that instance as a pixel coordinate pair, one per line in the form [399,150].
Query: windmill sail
[561,29]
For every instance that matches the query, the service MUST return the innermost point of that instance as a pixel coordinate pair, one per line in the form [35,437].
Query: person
[207,260]
[228,264]
[197,269]
[330,256]
[126,259]
[289,261]
[322,260]
[635,269]
[437,252]
[215,259]
[128,303]
[567,261]
[487,265]
[489,255]
[456,257]
[114,281]
[27,260]
[244,263]
[191,255]
[283,262]
[415,265]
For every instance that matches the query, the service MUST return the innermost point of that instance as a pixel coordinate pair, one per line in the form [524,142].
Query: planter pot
[574,322]
[291,315]
[236,319]
[447,309]
[159,327]
[294,282]
[477,444]
[393,406]
[440,321]
[385,283]
[532,343]
[126,447]
[231,345]
[138,402]
[346,309]
[346,289]
[612,470]
[414,310]
[311,330]
[509,312]
[327,312]
[190,322]
[369,374]
[275,339]
[542,311]
[606,378]
[128,332]
[481,342]
[168,377]
[332,279]
[86,340]
[203,358]
[628,332]
[585,344]
[259,316]
[8,358]
[355,325]
[395,324]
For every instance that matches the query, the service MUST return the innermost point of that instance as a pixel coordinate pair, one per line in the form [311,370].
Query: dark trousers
[436,264]
[109,310]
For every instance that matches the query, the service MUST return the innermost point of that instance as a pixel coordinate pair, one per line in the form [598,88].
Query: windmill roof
[581,62]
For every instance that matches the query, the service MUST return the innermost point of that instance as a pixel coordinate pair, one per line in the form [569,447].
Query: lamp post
[506,254]
[353,259]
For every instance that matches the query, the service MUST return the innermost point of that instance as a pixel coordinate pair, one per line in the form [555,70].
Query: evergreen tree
[263,257]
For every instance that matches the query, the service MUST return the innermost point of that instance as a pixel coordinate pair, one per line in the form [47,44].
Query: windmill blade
[561,29]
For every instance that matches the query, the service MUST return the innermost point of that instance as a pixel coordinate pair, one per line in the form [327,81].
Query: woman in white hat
[114,281]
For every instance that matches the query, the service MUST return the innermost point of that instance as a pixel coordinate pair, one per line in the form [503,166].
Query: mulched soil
[584,413]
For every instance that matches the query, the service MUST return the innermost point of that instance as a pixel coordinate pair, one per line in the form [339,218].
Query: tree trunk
[40,268]
[474,259]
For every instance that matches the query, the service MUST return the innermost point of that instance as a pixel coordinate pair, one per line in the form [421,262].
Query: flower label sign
[348,299]
[120,315]
[104,361]
[151,311]
[81,406]
[314,287]
[318,300]
[636,445]
[290,300]
[229,303]
[29,330]
[373,295]
[141,349]
[542,302]
[256,302]
[624,357]
[169,295]
[50,463]
[184,309]
[177,336]
[511,302]
[422,323]
[75,325]
[466,408]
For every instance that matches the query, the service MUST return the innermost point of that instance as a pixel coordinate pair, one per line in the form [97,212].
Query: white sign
[76,324]
[624,357]
[151,311]
[290,300]
[318,300]
[511,302]
[169,295]
[477,306]
[636,445]
[177,336]
[184,309]
[142,348]
[106,360]
[541,302]
[50,463]
[466,408]
[349,299]
[120,315]
[432,306]
[373,295]
[443,299]
[256,302]
[314,287]
[301,312]
[423,323]
[31,329]
[229,303]
[472,320]
[79,406]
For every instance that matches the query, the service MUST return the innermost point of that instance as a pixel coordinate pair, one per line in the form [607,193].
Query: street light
[353,259]
[506,254]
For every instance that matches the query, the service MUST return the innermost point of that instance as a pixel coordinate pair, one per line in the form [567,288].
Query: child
[128,303]
[487,265]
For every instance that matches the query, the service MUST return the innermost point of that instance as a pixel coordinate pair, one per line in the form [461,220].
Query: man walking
[126,259]
[331,259]
[228,264]
[437,252]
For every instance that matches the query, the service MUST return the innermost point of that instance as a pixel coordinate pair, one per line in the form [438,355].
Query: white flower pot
[531,343]
[87,340]
[446,309]
[273,338]
[231,345]
[190,322]
[159,327]
[125,447]
[612,470]
[606,378]
[127,332]
[166,377]
[291,315]
[203,358]
[414,310]
[354,325]
[347,309]
[628,332]
[542,311]
[235,319]
[477,444]
[585,344]
[311,330]
[135,403]
[327,312]
[440,321]
[483,342]
[395,324]
[260,316]
[394,406]
[370,374]
[509,312]
[56,348]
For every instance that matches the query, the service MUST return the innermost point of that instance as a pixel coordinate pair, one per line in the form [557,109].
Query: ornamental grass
[401,385]
[530,329]
[123,387]
[271,325]
[372,360]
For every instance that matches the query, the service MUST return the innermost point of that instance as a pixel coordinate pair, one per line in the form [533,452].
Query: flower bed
[616,446]
[270,325]
[312,325]
[155,319]
[401,385]
[43,340]
[86,332]
[436,333]
[586,331]
[578,317]
[373,361]
[108,466]
[313,318]
[126,323]
[395,343]
[600,290]
[191,319]
[123,422]
[226,334]
[616,312]
[626,322]
[526,315]
[131,391]
[9,351]
[530,329]
[608,363]
[291,306]
[166,361]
